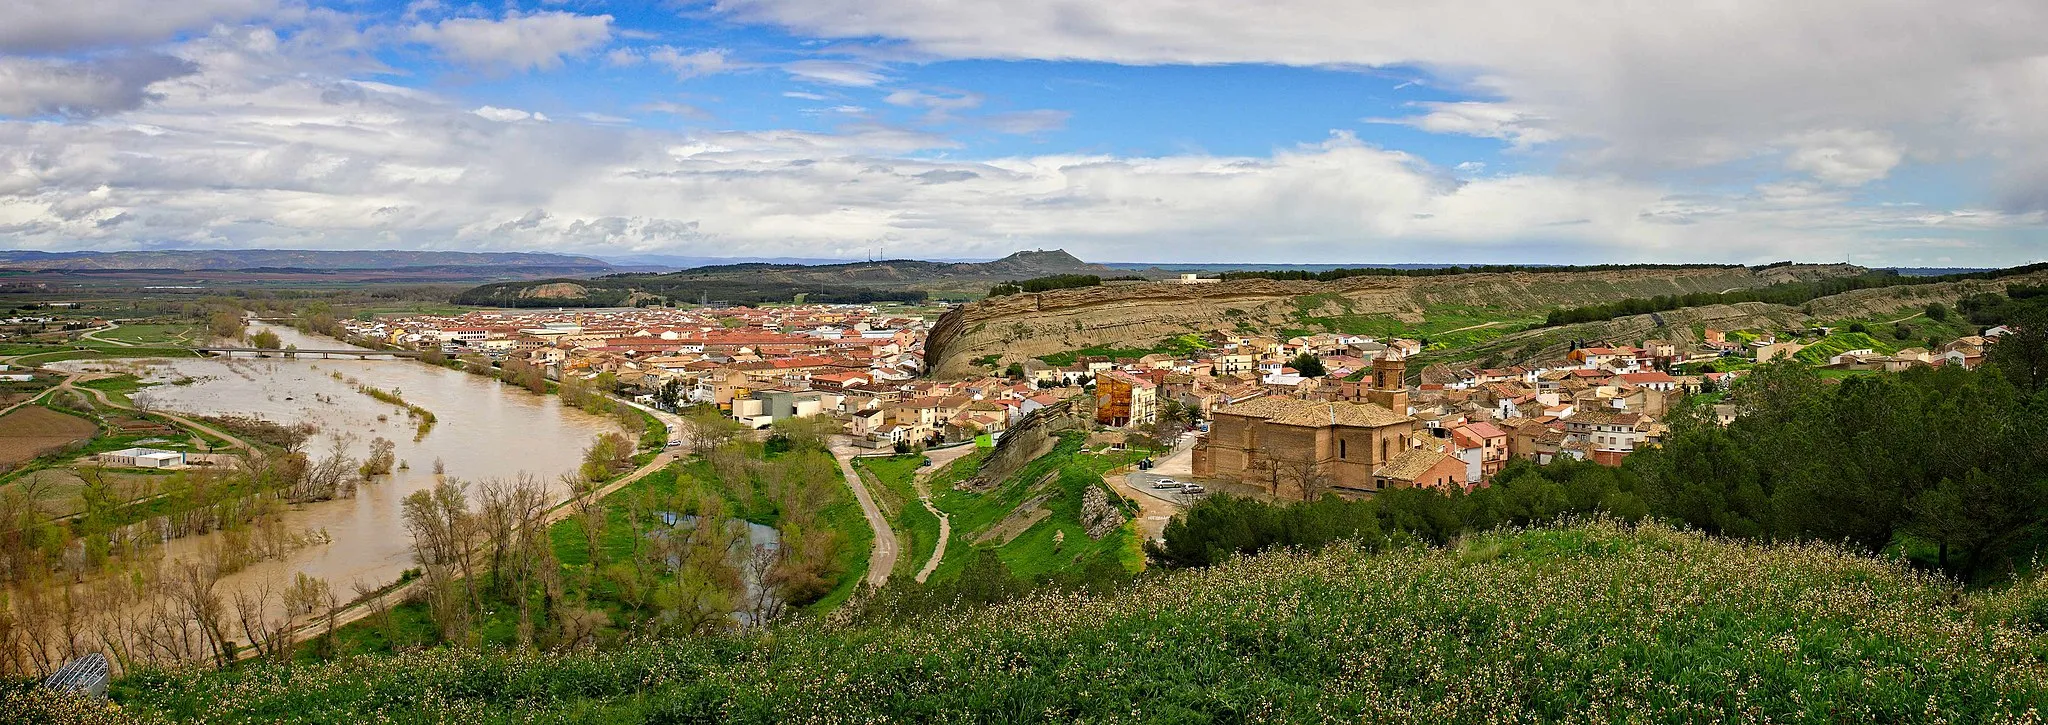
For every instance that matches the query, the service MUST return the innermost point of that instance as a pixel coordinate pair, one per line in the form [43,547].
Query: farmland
[32,431]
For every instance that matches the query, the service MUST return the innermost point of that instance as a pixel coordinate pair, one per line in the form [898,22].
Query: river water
[484,430]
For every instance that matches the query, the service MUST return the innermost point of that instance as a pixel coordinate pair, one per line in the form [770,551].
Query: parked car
[1165,483]
[1191,488]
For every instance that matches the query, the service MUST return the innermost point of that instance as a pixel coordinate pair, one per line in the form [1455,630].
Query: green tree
[265,339]
[1308,365]
[1937,311]
[2022,354]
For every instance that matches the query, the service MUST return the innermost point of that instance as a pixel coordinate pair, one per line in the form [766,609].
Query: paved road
[1156,507]
[882,556]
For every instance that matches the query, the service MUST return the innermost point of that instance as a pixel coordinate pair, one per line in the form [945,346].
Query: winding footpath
[882,555]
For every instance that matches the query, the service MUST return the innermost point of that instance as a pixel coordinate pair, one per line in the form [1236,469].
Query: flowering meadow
[1593,621]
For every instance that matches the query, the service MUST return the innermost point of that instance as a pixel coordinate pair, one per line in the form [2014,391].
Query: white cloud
[509,115]
[49,26]
[834,72]
[1844,157]
[1485,120]
[1636,88]
[303,162]
[684,64]
[953,101]
[90,88]
[518,42]
[1025,123]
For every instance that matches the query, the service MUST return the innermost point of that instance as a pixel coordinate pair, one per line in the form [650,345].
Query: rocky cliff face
[1019,327]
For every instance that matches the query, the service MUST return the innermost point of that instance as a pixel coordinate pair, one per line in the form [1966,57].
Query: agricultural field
[1595,621]
[161,335]
[32,430]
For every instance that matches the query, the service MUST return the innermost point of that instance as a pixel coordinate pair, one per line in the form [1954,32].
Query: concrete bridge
[305,352]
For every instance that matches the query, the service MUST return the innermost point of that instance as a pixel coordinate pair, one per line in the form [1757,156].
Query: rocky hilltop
[1018,327]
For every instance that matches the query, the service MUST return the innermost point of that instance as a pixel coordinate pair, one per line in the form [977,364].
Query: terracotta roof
[1288,411]
[1409,464]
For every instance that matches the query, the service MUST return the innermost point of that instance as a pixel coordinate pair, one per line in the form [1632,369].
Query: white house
[142,458]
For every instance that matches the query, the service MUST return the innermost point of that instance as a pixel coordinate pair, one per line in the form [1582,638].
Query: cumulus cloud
[88,88]
[51,26]
[1844,157]
[306,162]
[518,42]
[1637,88]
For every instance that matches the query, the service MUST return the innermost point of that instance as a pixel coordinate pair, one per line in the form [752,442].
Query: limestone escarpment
[1018,327]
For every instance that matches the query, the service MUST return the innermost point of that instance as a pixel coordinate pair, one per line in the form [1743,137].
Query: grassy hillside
[1589,622]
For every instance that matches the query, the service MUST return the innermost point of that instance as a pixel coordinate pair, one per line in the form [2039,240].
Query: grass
[1444,327]
[1057,544]
[120,388]
[1838,343]
[156,334]
[1179,345]
[1591,622]
[101,352]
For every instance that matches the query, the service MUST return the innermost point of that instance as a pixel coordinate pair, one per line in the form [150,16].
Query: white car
[1165,483]
[1191,488]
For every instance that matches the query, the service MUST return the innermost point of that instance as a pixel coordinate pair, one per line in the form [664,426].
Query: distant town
[1243,407]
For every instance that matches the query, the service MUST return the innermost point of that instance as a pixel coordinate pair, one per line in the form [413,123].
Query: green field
[1444,327]
[1592,622]
[1182,345]
[156,334]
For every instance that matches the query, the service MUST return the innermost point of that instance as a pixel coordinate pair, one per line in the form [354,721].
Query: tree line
[1789,293]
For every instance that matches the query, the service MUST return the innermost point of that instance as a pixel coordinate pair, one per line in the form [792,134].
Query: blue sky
[1293,131]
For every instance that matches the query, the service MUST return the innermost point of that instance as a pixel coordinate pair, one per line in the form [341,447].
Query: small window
[1340,448]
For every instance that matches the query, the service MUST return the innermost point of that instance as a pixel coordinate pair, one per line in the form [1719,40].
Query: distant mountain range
[755,282]
[295,259]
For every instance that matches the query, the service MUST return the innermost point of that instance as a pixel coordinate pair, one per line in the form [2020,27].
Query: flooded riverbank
[483,430]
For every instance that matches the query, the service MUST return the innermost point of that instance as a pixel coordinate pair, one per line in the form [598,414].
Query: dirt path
[101,396]
[1908,317]
[922,482]
[93,335]
[1470,327]
[882,557]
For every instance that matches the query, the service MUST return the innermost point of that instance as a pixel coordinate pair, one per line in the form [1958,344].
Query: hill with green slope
[1591,622]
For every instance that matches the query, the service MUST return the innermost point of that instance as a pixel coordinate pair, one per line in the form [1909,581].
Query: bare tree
[1307,478]
[192,585]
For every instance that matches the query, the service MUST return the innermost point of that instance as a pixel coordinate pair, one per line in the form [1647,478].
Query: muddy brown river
[484,430]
